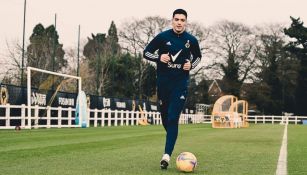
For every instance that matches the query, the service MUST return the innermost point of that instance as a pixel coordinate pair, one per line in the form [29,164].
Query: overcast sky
[95,16]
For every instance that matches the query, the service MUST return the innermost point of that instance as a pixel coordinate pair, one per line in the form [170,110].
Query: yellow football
[186,162]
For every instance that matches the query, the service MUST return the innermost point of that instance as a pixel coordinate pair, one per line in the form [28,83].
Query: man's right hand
[165,58]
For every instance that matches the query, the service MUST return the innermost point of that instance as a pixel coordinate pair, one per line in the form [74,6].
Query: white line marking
[282,160]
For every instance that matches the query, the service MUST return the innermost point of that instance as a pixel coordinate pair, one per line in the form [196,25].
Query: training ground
[138,149]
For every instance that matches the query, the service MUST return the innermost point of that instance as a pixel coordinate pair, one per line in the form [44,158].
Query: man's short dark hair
[180,11]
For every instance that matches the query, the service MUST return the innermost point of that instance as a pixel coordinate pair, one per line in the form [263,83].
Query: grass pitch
[297,149]
[138,150]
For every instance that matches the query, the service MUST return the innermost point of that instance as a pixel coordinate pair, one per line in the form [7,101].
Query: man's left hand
[187,65]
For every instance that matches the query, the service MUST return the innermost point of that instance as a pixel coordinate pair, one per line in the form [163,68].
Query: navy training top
[180,47]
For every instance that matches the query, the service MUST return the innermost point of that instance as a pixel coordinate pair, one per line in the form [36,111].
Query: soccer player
[178,53]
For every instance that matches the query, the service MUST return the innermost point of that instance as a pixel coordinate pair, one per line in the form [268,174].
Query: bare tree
[202,34]
[96,53]
[233,42]
[136,34]
[232,47]
[12,63]
[266,36]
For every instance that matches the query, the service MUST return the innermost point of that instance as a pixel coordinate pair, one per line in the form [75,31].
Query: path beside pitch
[282,160]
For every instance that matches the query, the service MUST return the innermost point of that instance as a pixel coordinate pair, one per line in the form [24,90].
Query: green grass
[138,150]
[297,149]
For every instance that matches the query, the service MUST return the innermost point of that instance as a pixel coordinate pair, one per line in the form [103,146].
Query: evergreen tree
[123,76]
[231,76]
[298,47]
[45,52]
[272,54]
[149,81]
[113,39]
[97,54]
[274,85]
[102,51]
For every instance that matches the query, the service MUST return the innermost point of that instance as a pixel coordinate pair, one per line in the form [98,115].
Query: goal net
[51,98]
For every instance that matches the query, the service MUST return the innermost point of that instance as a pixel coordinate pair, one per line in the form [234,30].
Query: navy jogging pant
[172,95]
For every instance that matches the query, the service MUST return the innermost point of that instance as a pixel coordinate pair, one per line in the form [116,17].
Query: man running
[178,53]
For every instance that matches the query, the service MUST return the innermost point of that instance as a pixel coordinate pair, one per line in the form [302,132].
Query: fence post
[186,118]
[149,116]
[48,117]
[116,117]
[7,115]
[127,118]
[95,117]
[154,118]
[109,117]
[59,117]
[197,118]
[182,118]
[23,115]
[273,119]
[132,117]
[88,112]
[296,120]
[137,113]
[157,118]
[121,117]
[69,116]
[102,117]
[193,118]
[36,116]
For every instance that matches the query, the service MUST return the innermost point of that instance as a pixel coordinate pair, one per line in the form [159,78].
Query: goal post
[29,87]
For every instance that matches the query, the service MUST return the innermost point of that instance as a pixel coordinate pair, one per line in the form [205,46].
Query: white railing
[277,119]
[50,117]
[58,117]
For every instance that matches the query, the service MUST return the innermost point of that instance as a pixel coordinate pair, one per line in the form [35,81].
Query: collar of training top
[176,34]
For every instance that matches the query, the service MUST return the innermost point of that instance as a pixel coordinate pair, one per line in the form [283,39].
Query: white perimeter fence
[58,117]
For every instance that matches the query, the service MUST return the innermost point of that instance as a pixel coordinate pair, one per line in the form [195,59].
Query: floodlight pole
[23,46]
[78,66]
[54,49]
[78,57]
[29,95]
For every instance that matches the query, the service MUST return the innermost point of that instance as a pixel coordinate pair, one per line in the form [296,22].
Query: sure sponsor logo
[173,66]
